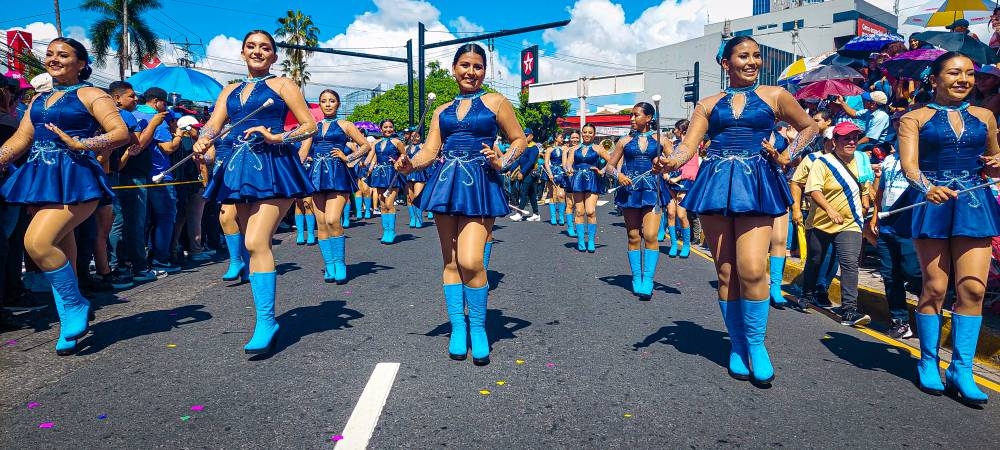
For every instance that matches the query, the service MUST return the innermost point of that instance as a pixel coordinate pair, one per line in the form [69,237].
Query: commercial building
[784,34]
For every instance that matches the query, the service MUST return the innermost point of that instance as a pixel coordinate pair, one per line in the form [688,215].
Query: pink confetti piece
[550,365]
[46,425]
[336,437]
[197,407]
[347,293]
[34,405]
[11,343]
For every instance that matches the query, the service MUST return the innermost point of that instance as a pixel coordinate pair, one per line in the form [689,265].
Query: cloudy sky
[602,38]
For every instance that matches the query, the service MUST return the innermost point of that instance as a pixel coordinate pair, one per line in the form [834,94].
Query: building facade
[784,34]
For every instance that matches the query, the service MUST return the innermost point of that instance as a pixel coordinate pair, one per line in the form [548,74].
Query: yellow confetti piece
[519,361]
[171,345]
[485,392]
[628,416]
[501,383]
[827,336]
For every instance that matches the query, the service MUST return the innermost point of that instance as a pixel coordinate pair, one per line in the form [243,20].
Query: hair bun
[85,73]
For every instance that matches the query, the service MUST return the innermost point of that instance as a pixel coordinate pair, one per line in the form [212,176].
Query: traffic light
[691,89]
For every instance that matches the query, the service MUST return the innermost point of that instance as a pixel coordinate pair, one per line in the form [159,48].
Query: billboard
[529,66]
[19,42]
[865,27]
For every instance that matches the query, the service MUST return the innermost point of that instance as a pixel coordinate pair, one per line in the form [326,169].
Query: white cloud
[463,25]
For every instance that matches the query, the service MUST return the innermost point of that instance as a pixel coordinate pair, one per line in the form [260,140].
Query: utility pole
[58,19]
[125,41]
[188,59]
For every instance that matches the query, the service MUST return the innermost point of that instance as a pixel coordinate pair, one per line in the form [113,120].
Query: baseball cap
[528,131]
[187,121]
[845,128]
[878,97]
[155,92]
[42,82]
[958,23]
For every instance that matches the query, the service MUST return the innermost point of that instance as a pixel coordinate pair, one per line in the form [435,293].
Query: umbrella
[837,59]
[190,83]
[800,66]
[941,13]
[831,73]
[821,89]
[367,127]
[291,122]
[19,78]
[911,64]
[959,42]
[862,46]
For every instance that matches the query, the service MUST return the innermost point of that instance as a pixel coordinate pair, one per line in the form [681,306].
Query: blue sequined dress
[950,161]
[555,165]
[255,170]
[736,179]
[584,179]
[384,174]
[417,176]
[329,173]
[465,183]
[54,174]
[642,192]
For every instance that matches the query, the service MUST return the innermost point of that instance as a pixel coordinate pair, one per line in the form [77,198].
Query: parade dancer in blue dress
[584,179]
[62,182]
[945,147]
[639,194]
[574,142]
[382,176]
[466,194]
[334,182]
[737,195]
[415,181]
[556,175]
[264,173]
[678,184]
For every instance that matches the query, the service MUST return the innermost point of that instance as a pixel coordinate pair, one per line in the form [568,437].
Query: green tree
[297,29]
[107,31]
[541,117]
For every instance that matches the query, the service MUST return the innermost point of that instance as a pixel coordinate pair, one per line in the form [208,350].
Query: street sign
[582,88]
[529,66]
[19,43]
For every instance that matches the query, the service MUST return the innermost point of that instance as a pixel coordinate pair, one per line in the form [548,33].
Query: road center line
[365,416]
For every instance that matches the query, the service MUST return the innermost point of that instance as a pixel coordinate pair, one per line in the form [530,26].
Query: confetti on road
[185,418]
[519,361]
[172,314]
[197,407]
[628,416]
[485,392]
[347,292]
[501,383]
[336,437]
[33,405]
[102,417]
[550,365]
[11,343]
[46,425]
[827,336]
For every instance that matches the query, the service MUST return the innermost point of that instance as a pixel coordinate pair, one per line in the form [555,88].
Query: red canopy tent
[599,120]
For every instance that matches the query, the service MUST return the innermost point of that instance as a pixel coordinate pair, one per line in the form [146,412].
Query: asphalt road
[577,362]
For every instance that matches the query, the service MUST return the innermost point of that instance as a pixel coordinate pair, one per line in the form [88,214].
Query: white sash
[847,181]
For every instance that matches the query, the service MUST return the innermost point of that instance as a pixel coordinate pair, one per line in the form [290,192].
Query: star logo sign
[528,63]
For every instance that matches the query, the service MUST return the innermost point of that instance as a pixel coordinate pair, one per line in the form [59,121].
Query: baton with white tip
[656,103]
[885,214]
[159,177]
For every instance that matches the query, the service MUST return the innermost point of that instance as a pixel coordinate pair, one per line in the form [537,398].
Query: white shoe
[535,218]
[517,217]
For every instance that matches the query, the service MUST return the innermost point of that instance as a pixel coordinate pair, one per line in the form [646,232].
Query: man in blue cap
[961,26]
[523,171]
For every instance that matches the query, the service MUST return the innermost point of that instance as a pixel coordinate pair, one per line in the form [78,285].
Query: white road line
[362,423]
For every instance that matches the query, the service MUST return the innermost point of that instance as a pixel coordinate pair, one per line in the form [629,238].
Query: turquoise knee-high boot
[265,330]
[458,344]
[674,248]
[591,233]
[635,263]
[561,214]
[413,216]
[755,324]
[73,315]
[325,249]
[570,225]
[552,213]
[300,229]
[430,215]
[345,219]
[661,234]
[418,219]
[581,237]
[388,228]
[777,277]
[928,374]
[64,346]
[487,249]
[732,314]
[310,229]
[649,260]
[359,206]
[367,202]
[338,251]
[237,265]
[686,245]
[958,378]
[476,299]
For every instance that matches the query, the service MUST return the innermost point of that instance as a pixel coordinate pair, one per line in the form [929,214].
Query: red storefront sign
[19,42]
[866,27]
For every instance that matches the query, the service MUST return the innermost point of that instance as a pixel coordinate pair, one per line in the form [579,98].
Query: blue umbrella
[862,46]
[190,83]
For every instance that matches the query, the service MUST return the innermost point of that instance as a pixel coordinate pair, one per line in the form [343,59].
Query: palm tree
[297,29]
[107,31]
